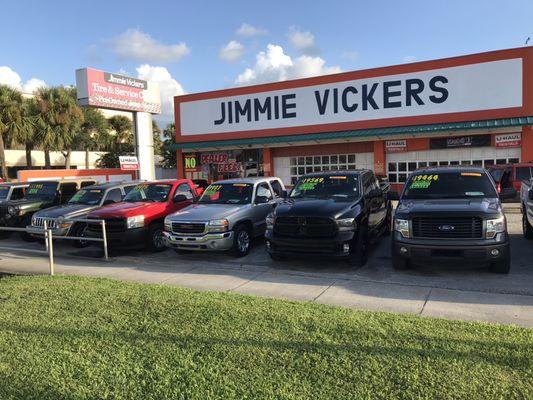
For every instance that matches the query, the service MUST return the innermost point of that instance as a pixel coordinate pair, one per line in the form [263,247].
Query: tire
[154,241]
[501,267]
[242,240]
[359,255]
[79,231]
[527,229]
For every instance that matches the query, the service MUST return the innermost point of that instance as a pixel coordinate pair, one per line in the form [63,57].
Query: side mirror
[179,198]
[530,195]
[393,195]
[261,200]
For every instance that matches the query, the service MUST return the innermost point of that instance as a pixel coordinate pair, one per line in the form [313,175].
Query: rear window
[444,185]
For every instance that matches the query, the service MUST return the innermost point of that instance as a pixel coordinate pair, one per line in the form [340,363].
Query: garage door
[399,165]
[289,169]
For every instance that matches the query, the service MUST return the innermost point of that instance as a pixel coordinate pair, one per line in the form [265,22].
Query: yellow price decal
[470,174]
[313,180]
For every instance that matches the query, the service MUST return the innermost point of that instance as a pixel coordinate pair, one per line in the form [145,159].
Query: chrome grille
[188,228]
[39,222]
[448,228]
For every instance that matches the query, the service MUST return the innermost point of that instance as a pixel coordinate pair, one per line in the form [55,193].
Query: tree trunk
[67,158]
[3,158]
[29,161]
[87,157]
[47,163]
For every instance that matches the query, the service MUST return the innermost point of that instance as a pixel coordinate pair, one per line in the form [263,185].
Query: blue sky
[49,40]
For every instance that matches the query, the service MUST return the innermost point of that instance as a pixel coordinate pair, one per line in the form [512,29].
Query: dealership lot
[460,292]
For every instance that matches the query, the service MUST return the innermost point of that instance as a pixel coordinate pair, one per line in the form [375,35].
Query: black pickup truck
[331,214]
[450,215]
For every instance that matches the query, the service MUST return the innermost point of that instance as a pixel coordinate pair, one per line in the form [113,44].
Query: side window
[276,187]
[264,191]
[67,190]
[522,173]
[18,193]
[367,184]
[114,195]
[185,190]
[128,189]
[87,183]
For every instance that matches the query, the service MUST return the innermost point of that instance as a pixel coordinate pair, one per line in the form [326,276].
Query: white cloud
[169,86]
[232,51]
[13,79]
[137,45]
[409,59]
[247,31]
[274,65]
[303,41]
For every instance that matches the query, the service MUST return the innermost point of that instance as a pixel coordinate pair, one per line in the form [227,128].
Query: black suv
[450,215]
[333,214]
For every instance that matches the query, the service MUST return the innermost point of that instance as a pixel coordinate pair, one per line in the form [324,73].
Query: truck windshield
[4,191]
[42,190]
[227,193]
[338,187]
[149,192]
[449,185]
[90,197]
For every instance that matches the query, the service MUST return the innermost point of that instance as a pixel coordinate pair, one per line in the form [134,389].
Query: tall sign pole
[101,89]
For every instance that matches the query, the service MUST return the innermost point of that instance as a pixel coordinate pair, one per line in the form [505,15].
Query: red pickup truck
[138,219]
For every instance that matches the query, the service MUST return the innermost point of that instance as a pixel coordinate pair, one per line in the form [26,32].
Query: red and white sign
[231,166]
[508,140]
[108,90]
[129,163]
[395,146]
[218,158]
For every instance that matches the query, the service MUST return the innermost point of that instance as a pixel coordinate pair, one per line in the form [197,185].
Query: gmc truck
[138,219]
[450,215]
[330,214]
[526,204]
[227,216]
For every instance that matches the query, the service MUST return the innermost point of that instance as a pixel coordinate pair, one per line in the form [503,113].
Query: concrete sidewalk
[342,290]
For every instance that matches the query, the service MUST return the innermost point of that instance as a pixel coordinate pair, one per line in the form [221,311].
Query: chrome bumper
[208,242]
[39,231]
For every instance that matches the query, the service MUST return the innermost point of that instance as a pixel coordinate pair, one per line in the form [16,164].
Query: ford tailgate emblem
[446,228]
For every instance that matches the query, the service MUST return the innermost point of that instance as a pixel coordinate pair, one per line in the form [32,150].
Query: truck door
[183,189]
[263,204]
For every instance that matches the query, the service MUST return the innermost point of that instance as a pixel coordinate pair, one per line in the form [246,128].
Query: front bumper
[452,252]
[207,242]
[39,231]
[126,239]
[327,247]
[14,221]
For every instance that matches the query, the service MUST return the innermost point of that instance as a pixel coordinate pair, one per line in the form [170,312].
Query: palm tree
[58,121]
[93,132]
[10,120]
[122,139]
[27,135]
[167,150]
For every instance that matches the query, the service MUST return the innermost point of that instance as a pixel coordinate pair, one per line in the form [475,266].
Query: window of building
[305,165]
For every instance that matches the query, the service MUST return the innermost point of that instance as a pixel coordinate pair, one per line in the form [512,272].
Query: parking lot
[458,292]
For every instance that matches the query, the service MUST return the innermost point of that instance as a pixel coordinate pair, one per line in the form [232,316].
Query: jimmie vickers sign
[474,87]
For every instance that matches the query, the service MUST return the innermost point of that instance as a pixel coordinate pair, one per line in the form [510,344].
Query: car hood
[206,212]
[66,211]
[319,208]
[25,204]
[475,207]
[127,209]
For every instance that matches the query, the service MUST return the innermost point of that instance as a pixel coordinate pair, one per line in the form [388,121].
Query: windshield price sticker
[423,181]
[470,174]
[212,189]
[140,188]
[240,184]
[338,177]
[78,195]
[34,188]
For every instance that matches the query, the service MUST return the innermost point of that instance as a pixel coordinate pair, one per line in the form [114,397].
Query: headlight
[346,224]
[269,221]
[495,226]
[218,225]
[12,210]
[168,225]
[402,226]
[135,222]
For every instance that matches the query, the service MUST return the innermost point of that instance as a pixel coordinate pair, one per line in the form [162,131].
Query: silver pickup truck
[526,204]
[227,216]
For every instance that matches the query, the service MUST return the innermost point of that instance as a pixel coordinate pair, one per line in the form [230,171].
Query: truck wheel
[155,241]
[79,231]
[501,267]
[527,229]
[241,241]
[359,255]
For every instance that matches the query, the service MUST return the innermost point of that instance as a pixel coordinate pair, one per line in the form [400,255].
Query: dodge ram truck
[330,214]
[450,215]
[227,216]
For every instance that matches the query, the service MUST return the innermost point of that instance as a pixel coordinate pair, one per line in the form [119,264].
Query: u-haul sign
[395,146]
[491,85]
[508,140]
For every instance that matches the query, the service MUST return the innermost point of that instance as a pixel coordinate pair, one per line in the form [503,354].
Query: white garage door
[399,165]
[289,169]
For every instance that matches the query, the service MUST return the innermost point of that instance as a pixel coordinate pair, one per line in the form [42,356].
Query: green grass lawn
[72,338]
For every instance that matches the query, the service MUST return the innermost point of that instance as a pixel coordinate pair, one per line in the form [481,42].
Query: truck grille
[311,227]
[448,228]
[188,228]
[39,222]
[112,225]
